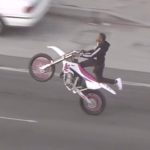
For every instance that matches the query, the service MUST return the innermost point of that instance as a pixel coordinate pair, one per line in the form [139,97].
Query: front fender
[57,50]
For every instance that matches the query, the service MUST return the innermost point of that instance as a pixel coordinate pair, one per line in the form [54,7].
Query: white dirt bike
[76,79]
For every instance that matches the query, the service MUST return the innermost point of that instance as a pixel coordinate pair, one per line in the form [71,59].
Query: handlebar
[68,55]
[71,54]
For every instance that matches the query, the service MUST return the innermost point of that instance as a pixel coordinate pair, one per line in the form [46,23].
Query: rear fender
[108,88]
[95,86]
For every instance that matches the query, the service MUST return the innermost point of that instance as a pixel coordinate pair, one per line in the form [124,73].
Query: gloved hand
[82,52]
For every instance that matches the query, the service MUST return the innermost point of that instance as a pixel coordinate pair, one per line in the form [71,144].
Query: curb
[95,16]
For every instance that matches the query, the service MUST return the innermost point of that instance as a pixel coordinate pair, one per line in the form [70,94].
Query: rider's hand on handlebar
[78,53]
[82,52]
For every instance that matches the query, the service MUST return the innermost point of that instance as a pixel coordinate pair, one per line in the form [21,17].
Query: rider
[96,58]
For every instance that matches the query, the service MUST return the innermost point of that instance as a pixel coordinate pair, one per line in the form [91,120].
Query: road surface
[34,116]
[46,116]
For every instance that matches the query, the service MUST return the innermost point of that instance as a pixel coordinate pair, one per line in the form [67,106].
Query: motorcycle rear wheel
[41,75]
[97,105]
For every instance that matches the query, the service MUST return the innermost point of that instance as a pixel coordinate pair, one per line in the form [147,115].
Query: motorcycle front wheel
[38,61]
[97,105]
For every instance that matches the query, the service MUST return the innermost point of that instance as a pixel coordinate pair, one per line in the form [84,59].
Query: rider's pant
[98,70]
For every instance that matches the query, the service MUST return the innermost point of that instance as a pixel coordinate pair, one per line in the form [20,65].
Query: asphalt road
[60,124]
[46,116]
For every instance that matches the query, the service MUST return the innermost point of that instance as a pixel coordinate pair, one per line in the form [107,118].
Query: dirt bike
[76,79]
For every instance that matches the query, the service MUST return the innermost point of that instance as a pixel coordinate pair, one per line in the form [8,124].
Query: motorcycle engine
[69,77]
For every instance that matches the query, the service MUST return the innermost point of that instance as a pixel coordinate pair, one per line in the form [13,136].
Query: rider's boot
[119,83]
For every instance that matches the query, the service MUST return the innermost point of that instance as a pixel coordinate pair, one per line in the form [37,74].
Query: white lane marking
[138,84]
[17,119]
[14,69]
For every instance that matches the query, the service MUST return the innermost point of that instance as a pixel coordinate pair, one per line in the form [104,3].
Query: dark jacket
[98,53]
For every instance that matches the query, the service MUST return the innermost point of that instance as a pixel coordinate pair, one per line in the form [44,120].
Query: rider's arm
[91,53]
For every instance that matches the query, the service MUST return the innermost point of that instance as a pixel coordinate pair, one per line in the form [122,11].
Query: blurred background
[32,115]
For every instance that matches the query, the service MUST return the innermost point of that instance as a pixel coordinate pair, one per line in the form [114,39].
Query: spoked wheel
[36,70]
[97,102]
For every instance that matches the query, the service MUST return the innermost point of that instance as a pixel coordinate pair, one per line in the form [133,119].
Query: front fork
[79,91]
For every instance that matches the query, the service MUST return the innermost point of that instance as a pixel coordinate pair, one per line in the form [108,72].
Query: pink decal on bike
[87,74]
[67,66]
